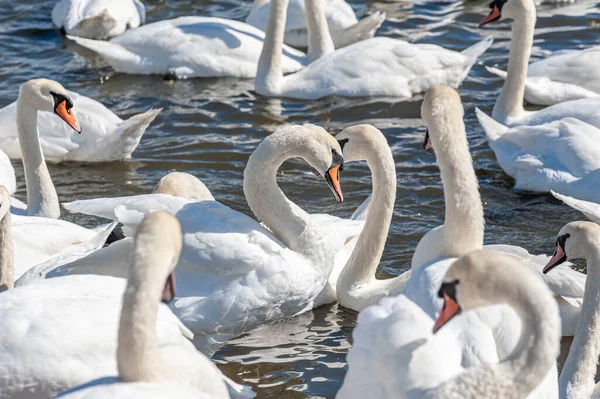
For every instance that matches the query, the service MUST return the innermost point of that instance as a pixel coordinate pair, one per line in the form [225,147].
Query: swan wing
[590,209]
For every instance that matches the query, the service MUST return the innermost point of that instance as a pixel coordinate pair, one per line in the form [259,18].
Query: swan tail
[121,59]
[493,130]
[124,139]
[473,52]
[496,71]
[363,29]
[238,391]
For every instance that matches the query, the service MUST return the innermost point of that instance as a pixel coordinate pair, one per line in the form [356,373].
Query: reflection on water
[209,128]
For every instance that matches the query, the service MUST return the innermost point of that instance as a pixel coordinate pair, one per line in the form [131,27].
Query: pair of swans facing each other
[150,50]
[98,19]
[78,323]
[551,149]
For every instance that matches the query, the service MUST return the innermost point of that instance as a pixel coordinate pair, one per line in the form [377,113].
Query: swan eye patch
[449,289]
[343,143]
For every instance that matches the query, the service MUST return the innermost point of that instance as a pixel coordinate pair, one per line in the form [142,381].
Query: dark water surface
[210,127]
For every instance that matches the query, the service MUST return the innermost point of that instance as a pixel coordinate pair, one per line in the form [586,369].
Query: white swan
[342,22]
[140,358]
[562,156]
[188,47]
[508,109]
[396,355]
[105,138]
[234,274]
[375,67]
[98,19]
[577,379]
[139,390]
[490,339]
[72,323]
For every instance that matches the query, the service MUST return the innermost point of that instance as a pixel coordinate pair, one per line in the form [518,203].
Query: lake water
[209,128]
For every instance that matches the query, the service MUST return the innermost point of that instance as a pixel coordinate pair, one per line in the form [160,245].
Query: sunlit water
[210,127]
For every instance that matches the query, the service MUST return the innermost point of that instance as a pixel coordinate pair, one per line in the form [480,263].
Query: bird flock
[88,313]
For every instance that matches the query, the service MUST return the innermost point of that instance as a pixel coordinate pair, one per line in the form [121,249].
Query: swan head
[4,202]
[48,95]
[508,9]
[441,109]
[574,242]
[358,142]
[185,185]
[483,278]
[158,242]
[323,152]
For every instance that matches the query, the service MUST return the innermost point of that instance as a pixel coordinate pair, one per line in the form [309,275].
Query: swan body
[561,156]
[396,355]
[8,178]
[379,66]
[577,379]
[342,22]
[189,47]
[98,19]
[105,137]
[234,274]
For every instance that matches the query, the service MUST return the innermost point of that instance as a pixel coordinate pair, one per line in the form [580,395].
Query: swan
[72,323]
[561,156]
[379,66]
[194,47]
[508,109]
[185,185]
[343,25]
[98,19]
[140,359]
[106,137]
[235,274]
[581,240]
[396,354]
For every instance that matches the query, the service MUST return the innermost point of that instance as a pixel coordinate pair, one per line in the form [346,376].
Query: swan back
[185,185]
[7,271]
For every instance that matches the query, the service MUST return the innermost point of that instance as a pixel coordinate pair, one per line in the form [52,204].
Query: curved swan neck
[577,378]
[358,276]
[320,42]
[7,270]
[464,221]
[510,102]
[523,370]
[41,194]
[270,73]
[269,204]
[137,351]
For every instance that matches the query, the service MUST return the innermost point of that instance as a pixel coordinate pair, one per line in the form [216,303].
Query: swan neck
[577,378]
[286,220]
[359,272]
[41,194]
[464,221]
[533,357]
[269,75]
[137,351]
[7,269]
[510,102]
[320,42]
